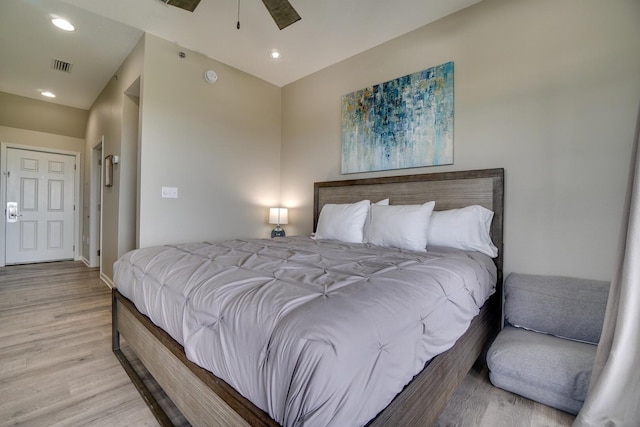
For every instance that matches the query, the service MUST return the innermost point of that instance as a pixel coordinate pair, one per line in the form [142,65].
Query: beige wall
[547,90]
[219,144]
[41,139]
[106,120]
[47,117]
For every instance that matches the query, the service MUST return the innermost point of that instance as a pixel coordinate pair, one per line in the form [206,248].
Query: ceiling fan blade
[282,12]
[189,5]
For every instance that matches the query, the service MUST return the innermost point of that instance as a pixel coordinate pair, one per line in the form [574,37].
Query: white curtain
[614,391]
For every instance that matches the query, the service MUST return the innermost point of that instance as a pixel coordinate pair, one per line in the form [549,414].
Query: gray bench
[547,348]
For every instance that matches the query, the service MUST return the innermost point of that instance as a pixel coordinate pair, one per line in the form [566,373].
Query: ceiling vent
[60,65]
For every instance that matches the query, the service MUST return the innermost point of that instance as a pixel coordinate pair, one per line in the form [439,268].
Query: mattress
[314,332]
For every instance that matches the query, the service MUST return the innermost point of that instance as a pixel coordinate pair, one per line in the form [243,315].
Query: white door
[40,202]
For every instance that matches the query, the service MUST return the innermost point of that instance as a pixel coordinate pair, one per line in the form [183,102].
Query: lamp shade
[278,216]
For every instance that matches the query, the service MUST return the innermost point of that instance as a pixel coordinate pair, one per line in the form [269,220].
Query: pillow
[344,222]
[400,226]
[466,228]
[383,202]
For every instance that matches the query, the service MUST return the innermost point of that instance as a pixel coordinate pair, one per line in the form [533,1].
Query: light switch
[169,192]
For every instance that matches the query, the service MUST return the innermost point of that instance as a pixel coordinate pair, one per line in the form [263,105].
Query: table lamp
[278,216]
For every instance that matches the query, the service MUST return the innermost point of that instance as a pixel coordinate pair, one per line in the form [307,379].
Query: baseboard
[107,280]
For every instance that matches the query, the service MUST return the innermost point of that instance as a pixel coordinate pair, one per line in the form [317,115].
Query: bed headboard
[449,190]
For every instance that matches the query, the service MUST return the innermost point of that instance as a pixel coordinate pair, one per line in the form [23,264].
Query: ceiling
[106,31]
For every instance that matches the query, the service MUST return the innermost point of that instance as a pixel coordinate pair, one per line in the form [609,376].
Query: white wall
[219,144]
[546,89]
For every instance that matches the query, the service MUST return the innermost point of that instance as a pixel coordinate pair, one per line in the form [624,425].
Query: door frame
[3,194]
[95,199]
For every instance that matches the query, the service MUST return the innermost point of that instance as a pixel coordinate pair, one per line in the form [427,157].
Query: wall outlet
[169,192]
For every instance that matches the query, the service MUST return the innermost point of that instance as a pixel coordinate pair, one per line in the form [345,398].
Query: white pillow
[466,228]
[344,222]
[400,226]
[383,202]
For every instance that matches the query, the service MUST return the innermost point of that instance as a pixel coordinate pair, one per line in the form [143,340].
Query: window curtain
[614,391]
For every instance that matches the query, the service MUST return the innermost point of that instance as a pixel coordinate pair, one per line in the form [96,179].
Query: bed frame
[205,399]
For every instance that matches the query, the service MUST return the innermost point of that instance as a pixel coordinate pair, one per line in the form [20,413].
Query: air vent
[60,65]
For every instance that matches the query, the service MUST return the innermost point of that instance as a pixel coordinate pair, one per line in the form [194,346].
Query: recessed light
[63,24]
[47,94]
[275,54]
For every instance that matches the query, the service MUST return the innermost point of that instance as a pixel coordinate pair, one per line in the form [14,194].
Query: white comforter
[316,333]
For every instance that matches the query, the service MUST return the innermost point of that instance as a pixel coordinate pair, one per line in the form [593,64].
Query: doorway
[95,206]
[40,196]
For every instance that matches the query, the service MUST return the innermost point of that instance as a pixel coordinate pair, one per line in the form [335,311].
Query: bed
[206,399]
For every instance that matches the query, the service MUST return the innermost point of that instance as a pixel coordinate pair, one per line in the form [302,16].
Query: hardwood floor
[57,367]
[56,364]
[478,403]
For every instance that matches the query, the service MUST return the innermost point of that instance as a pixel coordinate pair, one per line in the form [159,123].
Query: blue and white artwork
[403,123]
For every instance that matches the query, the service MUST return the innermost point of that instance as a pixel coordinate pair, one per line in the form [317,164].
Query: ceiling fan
[281,10]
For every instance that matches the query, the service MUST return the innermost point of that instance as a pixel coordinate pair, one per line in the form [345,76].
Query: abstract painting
[402,123]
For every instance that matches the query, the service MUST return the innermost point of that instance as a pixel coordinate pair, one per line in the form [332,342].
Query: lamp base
[277,232]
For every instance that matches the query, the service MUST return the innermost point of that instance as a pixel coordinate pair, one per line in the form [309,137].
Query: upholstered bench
[547,348]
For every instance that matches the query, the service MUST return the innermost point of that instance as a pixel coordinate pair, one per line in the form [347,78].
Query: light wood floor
[57,368]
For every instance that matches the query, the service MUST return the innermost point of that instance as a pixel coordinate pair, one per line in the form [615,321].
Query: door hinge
[75,167]
[74,248]
[98,252]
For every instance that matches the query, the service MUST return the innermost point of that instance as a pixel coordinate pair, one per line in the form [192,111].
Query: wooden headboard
[449,190]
